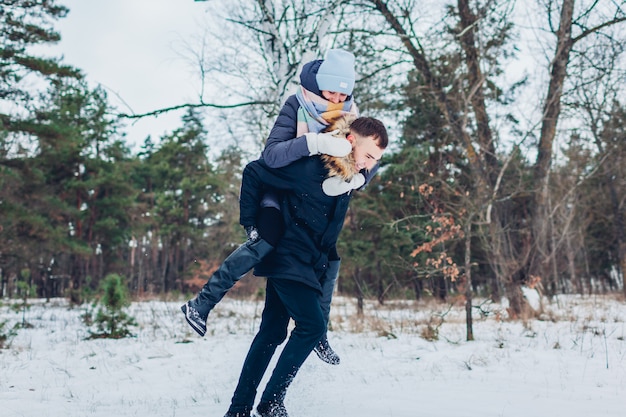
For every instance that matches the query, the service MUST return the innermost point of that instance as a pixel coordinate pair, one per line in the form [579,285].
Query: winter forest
[506,171]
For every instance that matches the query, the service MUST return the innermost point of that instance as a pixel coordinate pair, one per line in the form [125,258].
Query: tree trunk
[359,288]
[468,283]
[517,303]
[417,288]
[381,284]
[619,228]
[551,113]
[477,96]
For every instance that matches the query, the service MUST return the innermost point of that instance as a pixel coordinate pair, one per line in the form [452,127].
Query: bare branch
[191,106]
[598,28]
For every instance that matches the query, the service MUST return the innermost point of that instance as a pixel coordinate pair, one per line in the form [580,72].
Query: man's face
[365,151]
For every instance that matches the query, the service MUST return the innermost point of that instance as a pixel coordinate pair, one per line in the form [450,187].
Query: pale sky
[130,48]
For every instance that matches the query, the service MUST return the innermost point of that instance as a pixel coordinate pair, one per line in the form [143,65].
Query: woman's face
[334,97]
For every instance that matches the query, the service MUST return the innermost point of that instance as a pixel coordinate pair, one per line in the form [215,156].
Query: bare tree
[462,100]
[588,27]
[249,57]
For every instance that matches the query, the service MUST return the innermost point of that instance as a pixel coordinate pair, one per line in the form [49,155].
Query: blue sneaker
[194,319]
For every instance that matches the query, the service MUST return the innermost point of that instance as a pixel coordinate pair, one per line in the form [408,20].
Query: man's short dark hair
[368,126]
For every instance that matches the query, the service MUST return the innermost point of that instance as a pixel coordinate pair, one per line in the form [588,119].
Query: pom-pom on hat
[337,72]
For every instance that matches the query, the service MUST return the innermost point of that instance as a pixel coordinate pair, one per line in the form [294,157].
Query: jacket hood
[308,77]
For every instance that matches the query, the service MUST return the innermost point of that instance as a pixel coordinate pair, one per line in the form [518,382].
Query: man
[298,268]
[324,95]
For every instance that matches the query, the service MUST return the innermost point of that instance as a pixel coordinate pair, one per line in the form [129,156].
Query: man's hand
[335,186]
[327,144]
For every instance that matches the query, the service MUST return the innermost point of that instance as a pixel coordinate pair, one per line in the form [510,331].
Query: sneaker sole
[193,325]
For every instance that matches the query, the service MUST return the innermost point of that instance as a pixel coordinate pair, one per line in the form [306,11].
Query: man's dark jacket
[313,219]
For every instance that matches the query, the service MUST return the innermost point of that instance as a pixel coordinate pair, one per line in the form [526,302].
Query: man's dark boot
[273,409]
[243,259]
[231,414]
[323,349]
[326,353]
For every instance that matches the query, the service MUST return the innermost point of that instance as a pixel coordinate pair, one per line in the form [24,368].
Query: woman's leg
[243,259]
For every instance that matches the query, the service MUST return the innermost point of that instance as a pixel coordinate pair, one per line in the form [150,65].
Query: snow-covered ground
[571,363]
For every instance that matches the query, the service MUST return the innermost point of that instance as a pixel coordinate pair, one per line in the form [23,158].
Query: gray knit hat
[337,72]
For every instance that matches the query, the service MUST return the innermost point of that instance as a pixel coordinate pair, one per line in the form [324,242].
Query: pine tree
[182,197]
[24,24]
[111,320]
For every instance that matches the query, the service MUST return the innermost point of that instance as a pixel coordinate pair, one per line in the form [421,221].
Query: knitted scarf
[316,113]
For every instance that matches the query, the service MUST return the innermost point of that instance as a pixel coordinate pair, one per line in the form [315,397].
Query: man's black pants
[284,299]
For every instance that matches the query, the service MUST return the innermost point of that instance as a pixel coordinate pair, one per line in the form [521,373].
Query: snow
[570,363]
